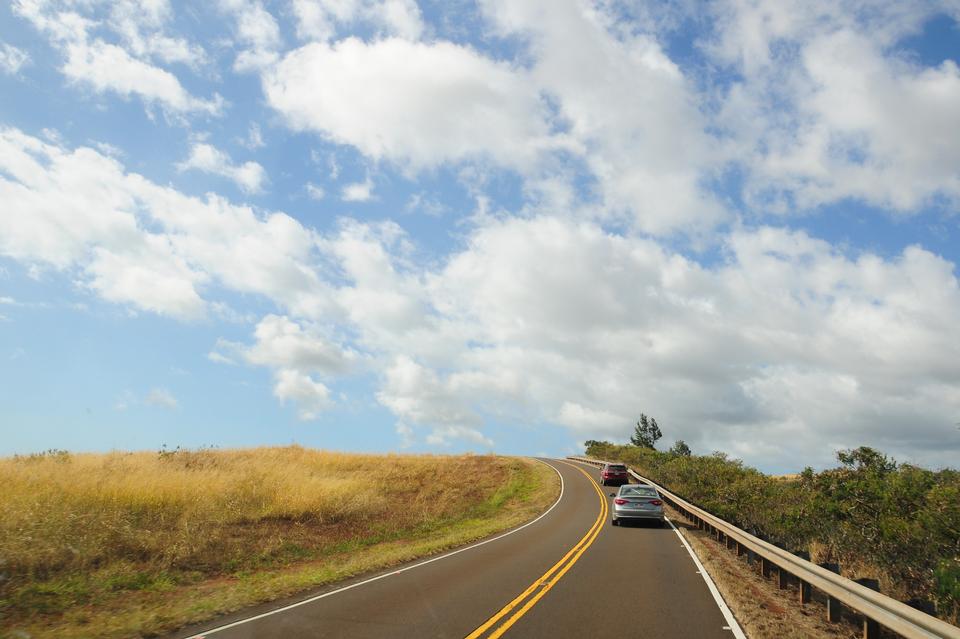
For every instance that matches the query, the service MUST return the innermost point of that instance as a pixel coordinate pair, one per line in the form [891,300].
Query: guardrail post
[804,588]
[871,629]
[783,578]
[731,543]
[741,549]
[833,605]
[766,567]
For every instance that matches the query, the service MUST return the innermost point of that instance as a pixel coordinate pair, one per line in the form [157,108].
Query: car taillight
[656,502]
[619,502]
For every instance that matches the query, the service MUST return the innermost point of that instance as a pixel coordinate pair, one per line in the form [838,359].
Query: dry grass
[762,610]
[129,544]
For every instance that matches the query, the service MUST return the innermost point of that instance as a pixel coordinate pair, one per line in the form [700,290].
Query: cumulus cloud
[311,396]
[627,105]
[813,104]
[256,31]
[127,71]
[249,176]
[409,102]
[357,191]
[829,107]
[298,356]
[138,243]
[550,320]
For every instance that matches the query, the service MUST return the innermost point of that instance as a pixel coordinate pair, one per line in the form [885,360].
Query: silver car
[634,502]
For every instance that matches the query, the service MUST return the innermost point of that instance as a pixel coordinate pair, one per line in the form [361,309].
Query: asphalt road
[569,574]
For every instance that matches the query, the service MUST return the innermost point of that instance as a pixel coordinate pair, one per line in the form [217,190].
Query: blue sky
[379,225]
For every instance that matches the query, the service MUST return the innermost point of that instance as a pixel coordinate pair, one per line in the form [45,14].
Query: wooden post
[833,605]
[871,629]
[783,578]
[766,567]
[805,594]
[741,549]
[731,543]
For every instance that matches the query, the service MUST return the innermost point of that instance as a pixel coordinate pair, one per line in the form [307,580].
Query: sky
[502,225]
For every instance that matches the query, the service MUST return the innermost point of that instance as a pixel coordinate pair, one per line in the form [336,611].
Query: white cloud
[296,355]
[442,436]
[315,192]
[590,420]
[135,242]
[219,358]
[310,395]
[162,398]
[141,24]
[249,176]
[411,103]
[357,191]
[546,320]
[257,30]
[12,59]
[629,109]
[149,274]
[830,108]
[282,342]
[320,19]
[106,67]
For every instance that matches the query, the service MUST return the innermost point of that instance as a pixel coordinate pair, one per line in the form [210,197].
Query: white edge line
[201,635]
[702,571]
[731,620]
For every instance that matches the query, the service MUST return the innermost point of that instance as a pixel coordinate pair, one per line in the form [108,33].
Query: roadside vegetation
[894,522]
[128,544]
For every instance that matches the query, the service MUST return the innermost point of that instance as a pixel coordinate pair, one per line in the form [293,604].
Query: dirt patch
[762,609]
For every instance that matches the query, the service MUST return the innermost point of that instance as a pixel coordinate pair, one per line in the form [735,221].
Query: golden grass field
[134,544]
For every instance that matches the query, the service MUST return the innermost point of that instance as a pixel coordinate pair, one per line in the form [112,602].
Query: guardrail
[877,609]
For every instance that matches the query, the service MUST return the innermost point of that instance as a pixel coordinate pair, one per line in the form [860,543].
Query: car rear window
[638,491]
[617,467]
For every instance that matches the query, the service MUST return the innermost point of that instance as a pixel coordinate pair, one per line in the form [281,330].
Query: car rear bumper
[638,514]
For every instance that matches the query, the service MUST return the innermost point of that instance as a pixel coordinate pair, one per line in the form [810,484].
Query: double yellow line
[535,591]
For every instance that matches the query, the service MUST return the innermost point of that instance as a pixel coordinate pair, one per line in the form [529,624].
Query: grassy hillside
[876,518]
[135,543]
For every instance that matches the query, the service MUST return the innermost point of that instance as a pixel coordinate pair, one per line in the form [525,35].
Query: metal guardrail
[875,607]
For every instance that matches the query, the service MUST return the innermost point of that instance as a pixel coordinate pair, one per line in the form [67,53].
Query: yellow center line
[563,566]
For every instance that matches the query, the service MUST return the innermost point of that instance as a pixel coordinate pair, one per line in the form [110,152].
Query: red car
[614,474]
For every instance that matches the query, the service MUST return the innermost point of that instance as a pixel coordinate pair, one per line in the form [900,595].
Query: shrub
[871,514]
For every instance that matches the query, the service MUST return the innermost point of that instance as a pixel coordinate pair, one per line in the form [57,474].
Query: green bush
[898,521]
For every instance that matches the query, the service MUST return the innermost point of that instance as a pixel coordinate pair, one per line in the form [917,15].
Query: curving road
[567,574]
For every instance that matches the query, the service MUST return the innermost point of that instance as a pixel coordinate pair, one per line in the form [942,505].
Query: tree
[647,432]
[593,446]
[680,449]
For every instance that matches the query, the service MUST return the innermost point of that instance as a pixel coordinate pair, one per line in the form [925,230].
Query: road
[568,574]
